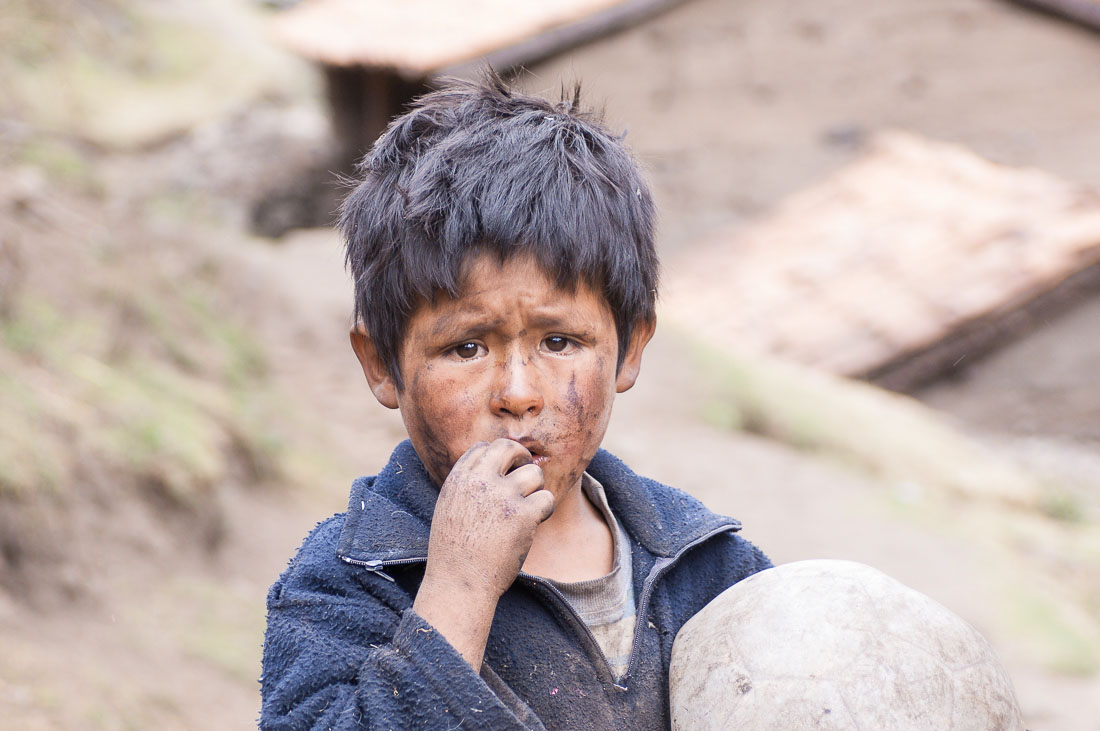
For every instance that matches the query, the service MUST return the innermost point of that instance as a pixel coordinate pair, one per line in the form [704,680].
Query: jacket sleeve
[757,561]
[338,656]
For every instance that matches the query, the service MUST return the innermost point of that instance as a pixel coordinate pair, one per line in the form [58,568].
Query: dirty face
[513,357]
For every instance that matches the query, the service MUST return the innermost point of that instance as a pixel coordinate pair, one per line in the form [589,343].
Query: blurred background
[880,336]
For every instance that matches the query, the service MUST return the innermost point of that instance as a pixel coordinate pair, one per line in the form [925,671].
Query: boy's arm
[340,653]
[484,522]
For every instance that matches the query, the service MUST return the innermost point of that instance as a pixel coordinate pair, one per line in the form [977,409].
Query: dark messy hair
[477,167]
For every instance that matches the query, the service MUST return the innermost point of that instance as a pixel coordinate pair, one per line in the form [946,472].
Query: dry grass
[176,401]
[127,374]
[894,438]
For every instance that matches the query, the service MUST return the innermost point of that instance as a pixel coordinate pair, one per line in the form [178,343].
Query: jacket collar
[389,515]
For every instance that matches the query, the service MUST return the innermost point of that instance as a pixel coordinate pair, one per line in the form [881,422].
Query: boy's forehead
[486,275]
[491,292]
[496,306]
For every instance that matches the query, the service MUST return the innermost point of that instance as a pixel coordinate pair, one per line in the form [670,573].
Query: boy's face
[513,357]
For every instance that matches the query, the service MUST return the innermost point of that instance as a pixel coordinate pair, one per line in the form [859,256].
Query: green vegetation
[894,438]
[60,160]
[1060,504]
[111,369]
[178,424]
[1059,636]
[133,397]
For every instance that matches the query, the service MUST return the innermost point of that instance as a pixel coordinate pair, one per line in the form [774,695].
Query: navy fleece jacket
[345,650]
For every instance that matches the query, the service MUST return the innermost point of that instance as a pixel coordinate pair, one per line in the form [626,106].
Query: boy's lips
[538,454]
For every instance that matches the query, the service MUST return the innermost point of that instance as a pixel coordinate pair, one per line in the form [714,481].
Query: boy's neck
[574,543]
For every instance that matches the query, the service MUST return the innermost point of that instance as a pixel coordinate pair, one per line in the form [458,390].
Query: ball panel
[985,685]
[834,644]
[784,703]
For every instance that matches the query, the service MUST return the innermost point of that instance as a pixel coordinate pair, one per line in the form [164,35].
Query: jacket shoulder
[664,519]
[315,568]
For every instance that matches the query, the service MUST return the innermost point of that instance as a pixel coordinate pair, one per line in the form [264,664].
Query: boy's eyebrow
[554,318]
[560,314]
[467,324]
[475,324]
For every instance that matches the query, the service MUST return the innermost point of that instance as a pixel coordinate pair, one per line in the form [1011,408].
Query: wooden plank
[1085,12]
[908,371]
[419,38]
[557,40]
[917,255]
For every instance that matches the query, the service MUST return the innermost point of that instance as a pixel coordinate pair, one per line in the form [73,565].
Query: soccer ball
[834,645]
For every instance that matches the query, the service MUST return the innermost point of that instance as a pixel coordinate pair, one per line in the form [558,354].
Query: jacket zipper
[593,643]
[661,566]
[377,565]
[658,570]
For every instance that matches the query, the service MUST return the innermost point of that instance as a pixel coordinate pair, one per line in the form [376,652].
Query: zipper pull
[376,567]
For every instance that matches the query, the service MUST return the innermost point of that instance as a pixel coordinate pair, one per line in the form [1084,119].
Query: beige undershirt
[606,604]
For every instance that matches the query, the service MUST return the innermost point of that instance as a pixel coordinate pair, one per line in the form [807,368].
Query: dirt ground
[735,105]
[731,106]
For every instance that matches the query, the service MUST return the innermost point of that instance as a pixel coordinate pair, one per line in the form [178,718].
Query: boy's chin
[559,484]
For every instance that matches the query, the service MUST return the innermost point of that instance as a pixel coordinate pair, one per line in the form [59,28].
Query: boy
[501,571]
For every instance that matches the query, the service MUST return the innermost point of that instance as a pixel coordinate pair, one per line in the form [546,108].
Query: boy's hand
[484,523]
[485,518]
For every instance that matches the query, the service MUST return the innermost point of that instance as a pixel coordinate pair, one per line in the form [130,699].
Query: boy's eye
[556,343]
[467,350]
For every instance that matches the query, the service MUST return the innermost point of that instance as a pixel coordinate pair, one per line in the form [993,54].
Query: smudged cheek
[436,417]
[585,409]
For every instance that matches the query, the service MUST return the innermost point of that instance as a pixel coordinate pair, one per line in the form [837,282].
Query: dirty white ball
[834,645]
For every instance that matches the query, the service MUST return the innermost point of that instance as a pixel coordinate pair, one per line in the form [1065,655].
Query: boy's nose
[517,393]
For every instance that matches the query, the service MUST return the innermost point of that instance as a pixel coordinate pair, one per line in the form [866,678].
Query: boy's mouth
[538,457]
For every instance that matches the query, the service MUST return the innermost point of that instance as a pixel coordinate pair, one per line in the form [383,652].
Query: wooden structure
[1085,12]
[915,259]
[377,55]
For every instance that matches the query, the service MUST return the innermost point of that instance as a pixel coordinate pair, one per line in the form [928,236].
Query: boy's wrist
[460,578]
[459,610]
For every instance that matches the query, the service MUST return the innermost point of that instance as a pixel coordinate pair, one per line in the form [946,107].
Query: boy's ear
[632,363]
[378,376]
